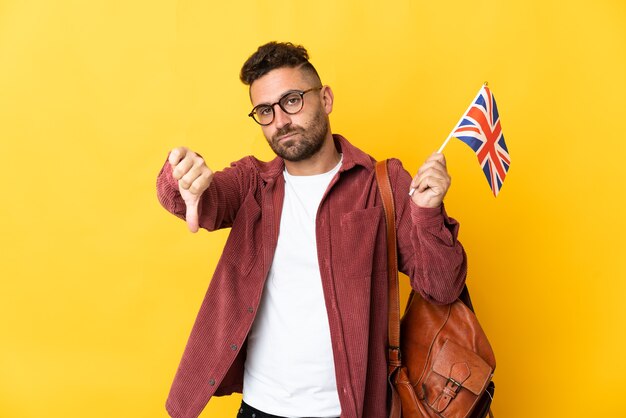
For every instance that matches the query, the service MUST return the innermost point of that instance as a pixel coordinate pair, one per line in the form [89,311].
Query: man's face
[299,136]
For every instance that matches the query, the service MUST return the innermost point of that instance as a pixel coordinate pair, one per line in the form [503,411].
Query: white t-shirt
[289,368]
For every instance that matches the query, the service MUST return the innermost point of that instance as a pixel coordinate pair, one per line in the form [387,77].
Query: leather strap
[384,186]
[459,373]
[394,355]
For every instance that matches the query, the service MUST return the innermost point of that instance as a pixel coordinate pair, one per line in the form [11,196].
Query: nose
[281,118]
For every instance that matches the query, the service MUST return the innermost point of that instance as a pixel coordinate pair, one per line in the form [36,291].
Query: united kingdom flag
[480,129]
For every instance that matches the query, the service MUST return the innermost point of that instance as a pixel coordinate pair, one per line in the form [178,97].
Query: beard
[310,141]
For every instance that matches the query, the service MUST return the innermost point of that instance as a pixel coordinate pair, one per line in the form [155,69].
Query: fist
[431,182]
[193,177]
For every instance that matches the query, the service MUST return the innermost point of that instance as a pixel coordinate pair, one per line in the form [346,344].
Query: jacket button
[212,382]
[250,309]
[233,347]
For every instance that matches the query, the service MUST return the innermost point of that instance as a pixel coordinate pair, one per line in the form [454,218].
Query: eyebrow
[279,97]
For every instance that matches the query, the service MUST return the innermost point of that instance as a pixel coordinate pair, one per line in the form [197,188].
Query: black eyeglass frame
[287,93]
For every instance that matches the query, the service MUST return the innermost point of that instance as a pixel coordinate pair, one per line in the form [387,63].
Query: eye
[292,100]
[264,110]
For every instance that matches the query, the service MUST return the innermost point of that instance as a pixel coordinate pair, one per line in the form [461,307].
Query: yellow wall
[100,286]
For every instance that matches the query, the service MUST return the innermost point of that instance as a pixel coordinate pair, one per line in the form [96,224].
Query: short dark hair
[275,55]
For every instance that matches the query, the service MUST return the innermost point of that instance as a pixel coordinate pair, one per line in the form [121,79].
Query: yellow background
[100,286]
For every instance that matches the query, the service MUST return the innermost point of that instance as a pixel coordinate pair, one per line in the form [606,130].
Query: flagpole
[456,126]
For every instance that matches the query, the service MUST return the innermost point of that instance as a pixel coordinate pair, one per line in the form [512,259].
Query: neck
[322,162]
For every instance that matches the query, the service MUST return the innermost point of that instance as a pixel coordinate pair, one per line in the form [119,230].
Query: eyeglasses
[291,103]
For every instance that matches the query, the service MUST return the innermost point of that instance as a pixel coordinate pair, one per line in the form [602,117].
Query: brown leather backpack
[443,365]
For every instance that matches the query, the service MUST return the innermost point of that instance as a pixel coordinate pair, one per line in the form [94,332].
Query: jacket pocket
[359,232]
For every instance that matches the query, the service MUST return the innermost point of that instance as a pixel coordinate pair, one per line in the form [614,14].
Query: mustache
[286,130]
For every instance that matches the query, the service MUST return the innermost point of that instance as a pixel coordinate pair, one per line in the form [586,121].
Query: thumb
[192,215]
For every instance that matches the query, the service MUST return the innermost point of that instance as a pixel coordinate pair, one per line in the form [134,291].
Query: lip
[289,135]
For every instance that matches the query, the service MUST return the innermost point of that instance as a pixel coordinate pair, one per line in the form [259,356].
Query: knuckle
[199,186]
[179,152]
[195,188]
[187,160]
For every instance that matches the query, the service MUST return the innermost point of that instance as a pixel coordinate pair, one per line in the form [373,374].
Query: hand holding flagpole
[431,183]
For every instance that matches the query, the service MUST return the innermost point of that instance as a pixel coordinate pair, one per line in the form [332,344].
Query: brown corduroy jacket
[350,230]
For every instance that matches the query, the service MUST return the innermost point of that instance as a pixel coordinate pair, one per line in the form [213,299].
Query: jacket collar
[352,156]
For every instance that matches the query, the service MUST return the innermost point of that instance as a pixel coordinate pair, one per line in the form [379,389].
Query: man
[295,316]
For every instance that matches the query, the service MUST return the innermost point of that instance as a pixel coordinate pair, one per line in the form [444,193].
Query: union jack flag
[480,129]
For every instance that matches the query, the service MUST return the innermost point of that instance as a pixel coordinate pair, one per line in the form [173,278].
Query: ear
[327,99]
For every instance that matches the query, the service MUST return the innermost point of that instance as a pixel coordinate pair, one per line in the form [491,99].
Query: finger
[415,181]
[437,185]
[191,216]
[436,156]
[424,183]
[422,187]
[435,170]
[176,155]
[189,178]
[435,163]
[430,172]
[201,183]
[432,165]
[182,168]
